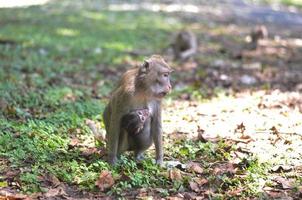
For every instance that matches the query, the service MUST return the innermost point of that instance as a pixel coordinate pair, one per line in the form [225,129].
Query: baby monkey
[134,121]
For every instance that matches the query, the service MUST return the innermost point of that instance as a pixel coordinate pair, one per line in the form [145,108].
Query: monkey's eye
[165,75]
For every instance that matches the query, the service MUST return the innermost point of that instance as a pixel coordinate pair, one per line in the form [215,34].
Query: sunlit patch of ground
[21,3]
[267,124]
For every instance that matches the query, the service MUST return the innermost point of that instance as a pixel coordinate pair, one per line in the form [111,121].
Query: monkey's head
[134,121]
[154,77]
[184,36]
[259,32]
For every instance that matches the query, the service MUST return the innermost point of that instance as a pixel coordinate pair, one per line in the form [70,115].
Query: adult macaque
[258,33]
[140,88]
[134,121]
[184,45]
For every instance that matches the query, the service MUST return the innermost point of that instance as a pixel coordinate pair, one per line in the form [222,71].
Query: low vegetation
[58,65]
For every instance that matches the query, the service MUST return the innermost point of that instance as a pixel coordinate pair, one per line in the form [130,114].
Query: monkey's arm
[156,130]
[113,134]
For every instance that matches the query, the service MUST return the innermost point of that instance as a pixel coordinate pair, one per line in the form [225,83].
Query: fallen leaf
[273,192]
[50,179]
[52,192]
[12,174]
[281,168]
[89,151]
[9,195]
[175,174]
[174,198]
[235,192]
[200,181]
[56,192]
[194,186]
[195,167]
[275,131]
[74,142]
[240,128]
[224,168]
[200,136]
[179,196]
[285,183]
[105,180]
[189,195]
[142,192]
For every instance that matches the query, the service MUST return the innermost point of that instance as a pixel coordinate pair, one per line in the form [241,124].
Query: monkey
[140,87]
[134,121]
[184,45]
[258,33]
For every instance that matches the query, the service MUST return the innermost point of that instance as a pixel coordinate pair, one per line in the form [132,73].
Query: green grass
[297,3]
[292,2]
[46,84]
[58,72]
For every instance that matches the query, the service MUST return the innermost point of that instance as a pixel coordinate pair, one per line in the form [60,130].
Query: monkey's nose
[169,87]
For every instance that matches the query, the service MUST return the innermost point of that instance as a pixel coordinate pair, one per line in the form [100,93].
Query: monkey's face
[161,85]
[143,114]
[154,78]
[134,121]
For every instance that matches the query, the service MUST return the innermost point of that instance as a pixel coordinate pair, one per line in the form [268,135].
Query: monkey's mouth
[162,94]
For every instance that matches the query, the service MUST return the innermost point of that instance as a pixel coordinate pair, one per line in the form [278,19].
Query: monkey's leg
[113,140]
[156,131]
[139,155]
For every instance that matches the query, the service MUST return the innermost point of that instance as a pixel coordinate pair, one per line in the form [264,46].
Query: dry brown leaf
[52,192]
[273,192]
[189,195]
[200,136]
[11,174]
[201,181]
[275,131]
[74,142]
[55,192]
[285,183]
[178,136]
[142,192]
[105,180]
[240,128]
[281,168]
[195,167]
[194,186]
[6,195]
[174,198]
[179,196]
[53,180]
[235,192]
[89,151]
[224,168]
[175,174]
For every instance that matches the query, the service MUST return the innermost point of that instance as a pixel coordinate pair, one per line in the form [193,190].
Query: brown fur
[130,80]
[141,87]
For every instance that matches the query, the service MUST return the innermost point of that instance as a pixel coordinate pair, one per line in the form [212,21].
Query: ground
[232,127]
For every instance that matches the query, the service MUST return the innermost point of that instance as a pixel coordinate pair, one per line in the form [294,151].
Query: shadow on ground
[235,112]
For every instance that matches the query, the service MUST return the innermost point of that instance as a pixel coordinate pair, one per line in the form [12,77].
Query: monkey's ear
[145,67]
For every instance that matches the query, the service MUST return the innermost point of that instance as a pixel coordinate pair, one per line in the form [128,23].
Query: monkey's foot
[159,162]
[139,157]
